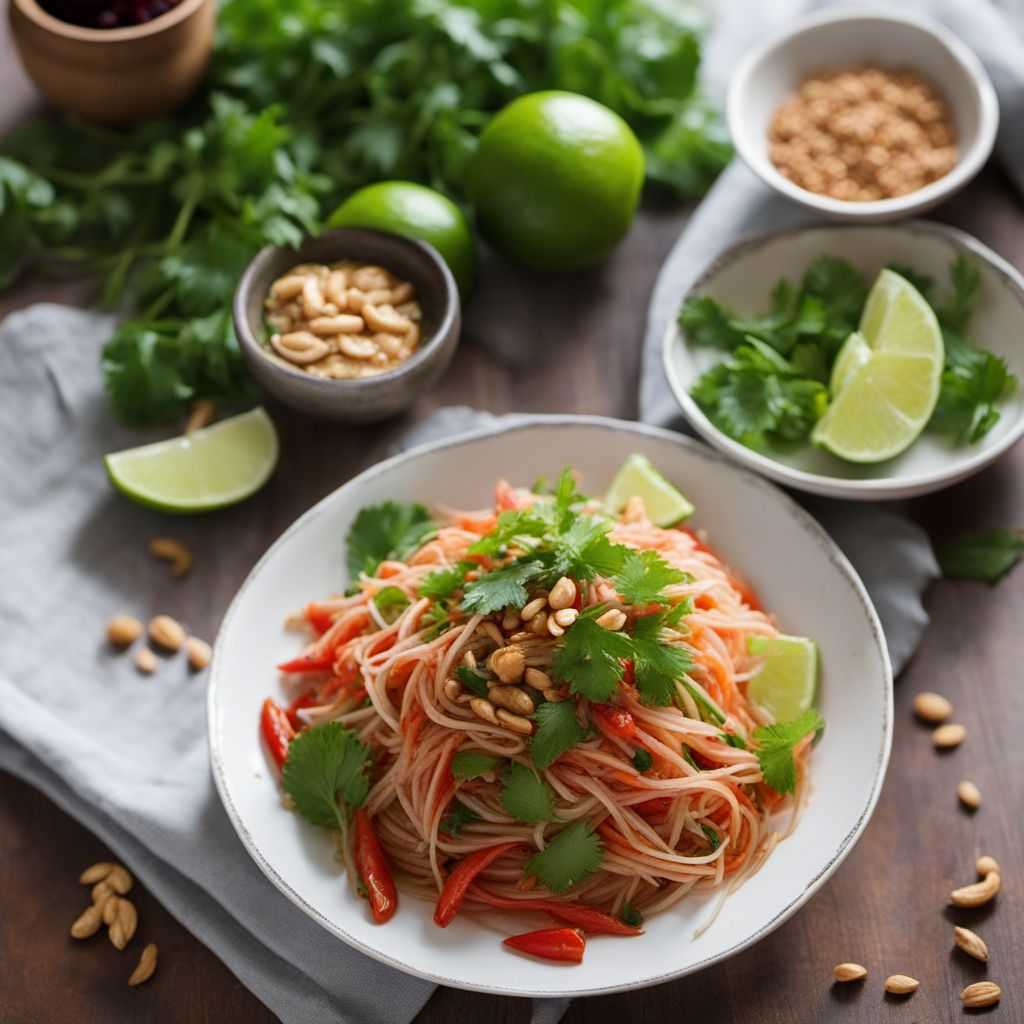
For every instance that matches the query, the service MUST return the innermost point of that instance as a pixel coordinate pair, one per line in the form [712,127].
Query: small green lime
[199,472]
[788,679]
[556,180]
[414,211]
[638,478]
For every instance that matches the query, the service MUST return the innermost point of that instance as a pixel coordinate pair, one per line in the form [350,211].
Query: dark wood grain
[573,344]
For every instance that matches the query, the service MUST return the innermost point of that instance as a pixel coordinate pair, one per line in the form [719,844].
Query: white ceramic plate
[742,278]
[800,575]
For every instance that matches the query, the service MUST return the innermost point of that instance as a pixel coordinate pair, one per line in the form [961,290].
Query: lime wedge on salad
[637,477]
[788,679]
[198,472]
[885,381]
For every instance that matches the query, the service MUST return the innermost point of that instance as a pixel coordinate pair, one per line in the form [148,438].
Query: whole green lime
[414,211]
[555,180]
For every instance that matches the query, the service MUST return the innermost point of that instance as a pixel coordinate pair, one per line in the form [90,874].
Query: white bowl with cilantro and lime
[860,362]
[829,660]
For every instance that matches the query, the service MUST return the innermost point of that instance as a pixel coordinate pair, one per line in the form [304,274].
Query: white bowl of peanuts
[863,114]
[353,325]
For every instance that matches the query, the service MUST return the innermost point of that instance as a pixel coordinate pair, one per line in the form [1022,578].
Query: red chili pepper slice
[590,919]
[305,700]
[563,944]
[374,870]
[459,880]
[615,720]
[277,730]
[307,663]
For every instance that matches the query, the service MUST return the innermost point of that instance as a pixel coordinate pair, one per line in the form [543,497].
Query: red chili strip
[563,944]
[374,870]
[277,730]
[461,878]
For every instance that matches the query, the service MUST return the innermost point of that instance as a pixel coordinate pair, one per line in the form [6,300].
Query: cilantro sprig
[467,764]
[570,856]
[775,748]
[386,531]
[558,730]
[325,774]
[525,795]
[591,659]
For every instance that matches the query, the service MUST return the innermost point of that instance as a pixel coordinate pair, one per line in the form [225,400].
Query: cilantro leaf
[436,617]
[442,583]
[643,576]
[572,855]
[656,667]
[501,588]
[325,774]
[512,524]
[390,602]
[558,730]
[472,680]
[775,748]
[631,916]
[525,795]
[582,550]
[385,531]
[589,659]
[468,765]
[705,322]
[983,555]
[456,818]
[642,760]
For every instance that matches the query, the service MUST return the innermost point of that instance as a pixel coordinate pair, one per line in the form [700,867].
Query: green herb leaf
[983,555]
[775,748]
[642,760]
[734,740]
[525,795]
[442,583]
[390,602]
[570,856]
[325,774]
[386,531]
[590,659]
[714,837]
[558,730]
[474,681]
[459,816]
[643,576]
[500,588]
[631,916]
[656,667]
[468,765]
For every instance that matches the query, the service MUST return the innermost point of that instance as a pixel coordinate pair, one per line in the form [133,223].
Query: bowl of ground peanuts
[863,114]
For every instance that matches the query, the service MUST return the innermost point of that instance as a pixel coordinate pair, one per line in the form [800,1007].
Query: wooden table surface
[885,907]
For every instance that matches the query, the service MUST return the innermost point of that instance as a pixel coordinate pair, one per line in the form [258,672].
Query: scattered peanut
[983,865]
[932,707]
[970,943]
[109,906]
[145,660]
[554,628]
[537,679]
[508,663]
[969,794]
[123,630]
[511,698]
[509,622]
[95,873]
[166,632]
[101,890]
[849,972]
[948,736]
[88,923]
[491,629]
[565,617]
[613,619]
[452,689]
[563,594]
[901,984]
[119,879]
[516,723]
[146,966]
[980,892]
[199,653]
[174,551]
[981,993]
[125,922]
[531,608]
[484,709]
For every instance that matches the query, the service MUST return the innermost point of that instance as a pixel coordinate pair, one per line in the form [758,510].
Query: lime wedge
[198,472]
[637,477]
[883,398]
[786,683]
[851,357]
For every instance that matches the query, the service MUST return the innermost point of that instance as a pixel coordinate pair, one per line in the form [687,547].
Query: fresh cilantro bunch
[304,102]
[773,386]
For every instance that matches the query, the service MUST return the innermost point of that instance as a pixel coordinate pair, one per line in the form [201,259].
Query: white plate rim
[888,489]
[526,422]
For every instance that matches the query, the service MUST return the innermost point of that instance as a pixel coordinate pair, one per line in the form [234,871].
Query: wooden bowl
[115,76]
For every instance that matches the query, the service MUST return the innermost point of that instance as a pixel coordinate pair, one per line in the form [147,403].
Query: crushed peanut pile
[863,133]
[343,321]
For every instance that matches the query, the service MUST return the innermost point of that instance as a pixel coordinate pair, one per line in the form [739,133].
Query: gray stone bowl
[371,398]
